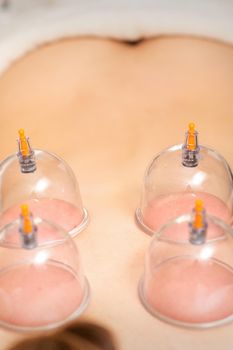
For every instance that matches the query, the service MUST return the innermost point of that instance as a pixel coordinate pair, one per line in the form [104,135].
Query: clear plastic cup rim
[140,223]
[83,224]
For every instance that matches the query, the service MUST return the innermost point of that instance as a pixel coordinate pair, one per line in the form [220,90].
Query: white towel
[26,24]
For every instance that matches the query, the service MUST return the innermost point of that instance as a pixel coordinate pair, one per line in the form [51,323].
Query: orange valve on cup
[25,154]
[190,148]
[198,225]
[198,214]
[23,143]
[27,229]
[191,139]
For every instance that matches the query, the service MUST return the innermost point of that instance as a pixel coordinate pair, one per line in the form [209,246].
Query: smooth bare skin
[108,108]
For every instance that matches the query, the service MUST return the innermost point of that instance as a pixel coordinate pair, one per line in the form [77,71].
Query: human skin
[164,208]
[34,295]
[191,291]
[107,108]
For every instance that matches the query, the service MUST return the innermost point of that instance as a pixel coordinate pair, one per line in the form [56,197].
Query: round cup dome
[46,183]
[176,177]
[188,281]
[42,285]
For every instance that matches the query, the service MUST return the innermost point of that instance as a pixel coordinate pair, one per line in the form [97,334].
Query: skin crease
[108,108]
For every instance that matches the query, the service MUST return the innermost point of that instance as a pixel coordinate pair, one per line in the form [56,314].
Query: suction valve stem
[190,148]
[198,226]
[28,229]
[25,154]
